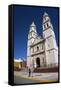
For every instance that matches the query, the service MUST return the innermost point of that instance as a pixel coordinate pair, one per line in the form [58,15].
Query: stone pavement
[37,76]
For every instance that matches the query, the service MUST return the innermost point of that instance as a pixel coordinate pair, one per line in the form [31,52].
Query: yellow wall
[17,64]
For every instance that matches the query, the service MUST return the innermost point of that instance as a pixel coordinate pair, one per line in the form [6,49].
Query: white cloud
[18,60]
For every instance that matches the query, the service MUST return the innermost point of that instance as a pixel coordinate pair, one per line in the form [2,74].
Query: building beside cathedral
[42,51]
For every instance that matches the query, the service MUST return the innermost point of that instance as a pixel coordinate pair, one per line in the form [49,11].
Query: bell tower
[31,37]
[32,34]
[51,49]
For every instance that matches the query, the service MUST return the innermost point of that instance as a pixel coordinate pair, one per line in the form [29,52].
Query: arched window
[47,25]
[44,26]
[37,48]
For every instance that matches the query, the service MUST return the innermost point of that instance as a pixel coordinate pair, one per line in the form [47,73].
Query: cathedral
[42,51]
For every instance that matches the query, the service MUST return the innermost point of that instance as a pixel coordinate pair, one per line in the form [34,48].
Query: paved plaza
[23,76]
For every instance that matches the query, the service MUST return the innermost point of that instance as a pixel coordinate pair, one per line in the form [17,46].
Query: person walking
[29,72]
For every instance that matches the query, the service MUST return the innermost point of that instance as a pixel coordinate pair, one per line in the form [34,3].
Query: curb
[36,79]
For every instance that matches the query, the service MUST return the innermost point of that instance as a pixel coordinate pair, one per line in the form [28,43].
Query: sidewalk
[42,77]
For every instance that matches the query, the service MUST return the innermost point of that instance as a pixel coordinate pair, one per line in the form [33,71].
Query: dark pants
[29,74]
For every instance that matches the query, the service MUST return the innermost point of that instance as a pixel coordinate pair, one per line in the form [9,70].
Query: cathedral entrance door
[38,62]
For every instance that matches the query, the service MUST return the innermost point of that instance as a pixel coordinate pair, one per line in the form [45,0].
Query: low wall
[46,70]
[17,69]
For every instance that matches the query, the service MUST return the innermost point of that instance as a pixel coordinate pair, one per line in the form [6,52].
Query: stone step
[46,70]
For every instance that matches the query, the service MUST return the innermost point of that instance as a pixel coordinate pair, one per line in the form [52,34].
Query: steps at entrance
[46,70]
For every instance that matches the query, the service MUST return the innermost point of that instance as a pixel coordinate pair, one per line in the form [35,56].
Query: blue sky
[23,17]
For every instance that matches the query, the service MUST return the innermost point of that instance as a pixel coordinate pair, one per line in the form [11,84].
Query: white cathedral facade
[42,51]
